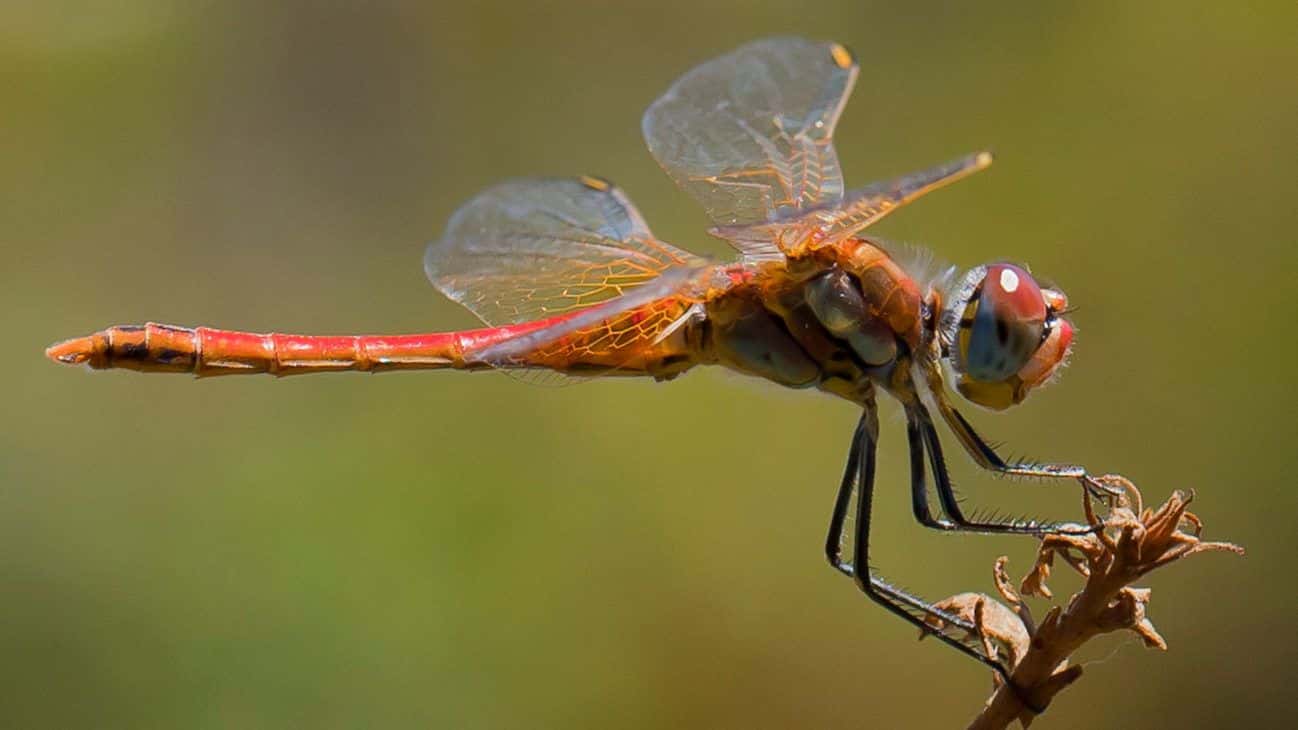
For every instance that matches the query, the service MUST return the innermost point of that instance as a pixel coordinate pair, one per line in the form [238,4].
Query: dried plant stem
[1133,542]
[1044,671]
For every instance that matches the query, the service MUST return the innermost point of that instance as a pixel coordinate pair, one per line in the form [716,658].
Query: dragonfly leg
[986,457]
[834,540]
[924,441]
[860,473]
[918,485]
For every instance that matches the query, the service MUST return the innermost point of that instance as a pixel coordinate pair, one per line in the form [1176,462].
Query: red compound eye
[1005,324]
[1052,353]
[1012,293]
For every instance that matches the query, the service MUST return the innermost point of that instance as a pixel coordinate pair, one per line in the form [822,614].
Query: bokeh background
[456,550]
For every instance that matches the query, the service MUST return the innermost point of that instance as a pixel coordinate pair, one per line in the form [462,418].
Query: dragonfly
[568,279]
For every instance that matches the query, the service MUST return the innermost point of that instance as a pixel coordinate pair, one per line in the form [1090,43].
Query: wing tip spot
[595,183]
[842,56]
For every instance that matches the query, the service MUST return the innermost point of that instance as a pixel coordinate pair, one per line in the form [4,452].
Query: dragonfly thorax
[839,320]
[835,297]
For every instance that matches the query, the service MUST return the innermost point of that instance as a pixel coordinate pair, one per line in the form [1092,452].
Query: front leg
[924,441]
[985,456]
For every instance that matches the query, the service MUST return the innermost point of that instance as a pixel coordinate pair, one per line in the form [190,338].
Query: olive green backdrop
[451,550]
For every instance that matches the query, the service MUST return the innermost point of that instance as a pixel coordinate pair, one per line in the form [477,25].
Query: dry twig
[1133,542]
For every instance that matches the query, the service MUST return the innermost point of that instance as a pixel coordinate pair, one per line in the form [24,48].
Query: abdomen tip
[72,352]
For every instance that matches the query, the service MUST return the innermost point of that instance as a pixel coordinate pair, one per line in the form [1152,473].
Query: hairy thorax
[838,319]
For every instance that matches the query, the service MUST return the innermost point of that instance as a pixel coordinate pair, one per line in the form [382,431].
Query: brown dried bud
[1130,542]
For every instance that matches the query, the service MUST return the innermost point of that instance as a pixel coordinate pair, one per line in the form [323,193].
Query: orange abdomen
[618,344]
[205,351]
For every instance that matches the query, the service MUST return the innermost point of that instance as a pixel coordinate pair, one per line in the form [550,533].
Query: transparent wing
[749,134]
[613,332]
[859,208]
[533,248]
[864,207]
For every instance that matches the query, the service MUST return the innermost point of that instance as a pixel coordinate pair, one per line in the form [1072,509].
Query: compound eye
[1003,324]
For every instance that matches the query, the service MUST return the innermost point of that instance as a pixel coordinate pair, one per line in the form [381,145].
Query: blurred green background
[469,551]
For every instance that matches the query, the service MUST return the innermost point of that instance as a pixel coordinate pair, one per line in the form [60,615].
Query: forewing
[749,134]
[532,248]
[859,209]
[864,207]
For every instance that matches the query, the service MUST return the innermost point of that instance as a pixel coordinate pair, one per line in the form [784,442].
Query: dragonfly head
[1004,334]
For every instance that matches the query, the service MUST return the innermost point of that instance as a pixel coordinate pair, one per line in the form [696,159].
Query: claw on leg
[1102,491]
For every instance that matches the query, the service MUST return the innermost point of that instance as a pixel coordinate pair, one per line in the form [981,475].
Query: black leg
[986,457]
[860,472]
[917,417]
[834,540]
[918,486]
